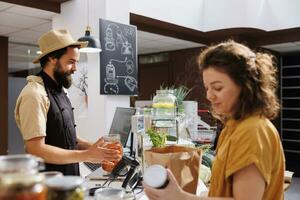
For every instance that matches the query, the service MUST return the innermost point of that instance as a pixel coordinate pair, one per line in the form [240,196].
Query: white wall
[186,13]
[118,11]
[263,14]
[74,17]
[207,15]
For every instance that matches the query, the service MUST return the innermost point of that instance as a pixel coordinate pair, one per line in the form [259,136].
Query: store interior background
[169,41]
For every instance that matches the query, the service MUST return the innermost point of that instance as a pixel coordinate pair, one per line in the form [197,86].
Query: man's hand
[96,153]
[99,153]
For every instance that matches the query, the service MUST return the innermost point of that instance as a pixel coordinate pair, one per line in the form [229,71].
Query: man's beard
[62,78]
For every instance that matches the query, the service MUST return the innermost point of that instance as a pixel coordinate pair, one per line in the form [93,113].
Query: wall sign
[118,59]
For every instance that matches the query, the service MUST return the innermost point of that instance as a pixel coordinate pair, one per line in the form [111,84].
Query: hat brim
[81,44]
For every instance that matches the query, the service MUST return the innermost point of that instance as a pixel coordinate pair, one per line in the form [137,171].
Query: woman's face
[221,91]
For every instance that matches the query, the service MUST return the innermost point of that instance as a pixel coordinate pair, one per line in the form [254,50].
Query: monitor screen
[121,123]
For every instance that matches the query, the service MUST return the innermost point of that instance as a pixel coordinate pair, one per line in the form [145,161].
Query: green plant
[157,138]
[180,93]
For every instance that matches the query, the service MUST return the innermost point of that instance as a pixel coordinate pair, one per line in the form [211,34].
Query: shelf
[290,113]
[291,151]
[290,87]
[291,129]
[289,98]
[170,124]
[290,140]
[289,77]
[291,119]
[290,108]
[290,66]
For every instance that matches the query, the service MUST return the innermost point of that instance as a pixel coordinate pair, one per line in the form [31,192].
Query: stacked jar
[19,178]
[164,105]
[66,188]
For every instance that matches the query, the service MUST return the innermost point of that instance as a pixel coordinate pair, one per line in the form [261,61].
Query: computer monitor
[121,123]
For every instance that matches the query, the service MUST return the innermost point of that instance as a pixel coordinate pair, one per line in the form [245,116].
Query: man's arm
[54,155]
[83,144]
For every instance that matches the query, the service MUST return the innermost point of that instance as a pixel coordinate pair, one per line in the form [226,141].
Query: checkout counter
[91,179]
[98,177]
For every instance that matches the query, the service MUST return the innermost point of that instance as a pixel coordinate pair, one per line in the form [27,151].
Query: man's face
[66,66]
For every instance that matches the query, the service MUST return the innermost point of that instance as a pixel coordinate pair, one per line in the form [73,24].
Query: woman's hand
[99,153]
[171,192]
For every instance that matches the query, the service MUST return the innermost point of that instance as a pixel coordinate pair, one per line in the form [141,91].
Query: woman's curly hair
[254,73]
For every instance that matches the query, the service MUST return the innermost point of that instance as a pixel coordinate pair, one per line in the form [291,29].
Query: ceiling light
[93,43]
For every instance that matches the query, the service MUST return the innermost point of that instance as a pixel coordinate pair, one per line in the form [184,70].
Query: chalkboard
[118,59]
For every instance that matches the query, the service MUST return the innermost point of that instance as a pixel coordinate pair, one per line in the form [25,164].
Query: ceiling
[26,25]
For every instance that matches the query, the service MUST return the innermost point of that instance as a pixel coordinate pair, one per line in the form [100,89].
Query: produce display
[208,157]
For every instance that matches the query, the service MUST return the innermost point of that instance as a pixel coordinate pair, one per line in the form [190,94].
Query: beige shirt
[31,109]
[253,140]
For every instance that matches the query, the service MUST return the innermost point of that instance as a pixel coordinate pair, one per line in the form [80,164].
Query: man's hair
[254,73]
[55,54]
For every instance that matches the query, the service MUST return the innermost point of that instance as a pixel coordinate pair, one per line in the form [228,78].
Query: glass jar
[164,104]
[112,141]
[65,188]
[19,178]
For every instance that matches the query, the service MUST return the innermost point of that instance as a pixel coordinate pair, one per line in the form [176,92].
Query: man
[44,113]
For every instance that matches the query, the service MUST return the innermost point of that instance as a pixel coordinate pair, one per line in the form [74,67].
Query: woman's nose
[209,95]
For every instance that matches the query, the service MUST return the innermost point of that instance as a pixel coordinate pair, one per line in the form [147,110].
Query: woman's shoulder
[255,127]
[253,122]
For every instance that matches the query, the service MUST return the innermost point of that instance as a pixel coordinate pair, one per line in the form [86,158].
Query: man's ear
[52,60]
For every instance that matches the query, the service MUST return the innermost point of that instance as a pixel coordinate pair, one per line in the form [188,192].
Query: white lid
[64,182]
[155,176]
[110,193]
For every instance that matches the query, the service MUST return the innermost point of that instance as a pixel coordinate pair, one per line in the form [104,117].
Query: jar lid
[20,179]
[155,176]
[64,182]
[110,193]
[22,163]
[165,91]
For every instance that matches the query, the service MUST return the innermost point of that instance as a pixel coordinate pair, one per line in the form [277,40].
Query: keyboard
[92,166]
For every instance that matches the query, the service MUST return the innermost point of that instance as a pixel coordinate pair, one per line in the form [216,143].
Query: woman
[241,87]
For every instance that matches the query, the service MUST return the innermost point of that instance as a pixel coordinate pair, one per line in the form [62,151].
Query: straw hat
[55,40]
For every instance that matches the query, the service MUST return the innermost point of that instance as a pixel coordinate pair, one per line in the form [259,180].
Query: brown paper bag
[184,162]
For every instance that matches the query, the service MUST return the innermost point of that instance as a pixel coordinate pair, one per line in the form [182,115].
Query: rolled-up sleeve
[31,113]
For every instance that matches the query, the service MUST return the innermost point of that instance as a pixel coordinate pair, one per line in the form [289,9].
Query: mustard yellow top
[253,140]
